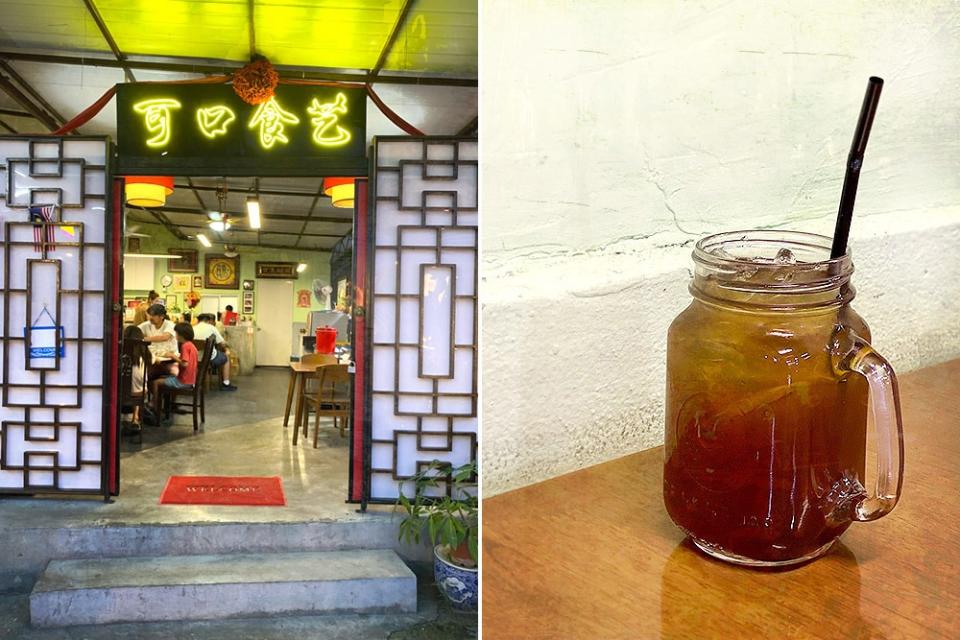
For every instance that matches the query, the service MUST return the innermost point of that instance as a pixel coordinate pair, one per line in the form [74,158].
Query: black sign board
[194,129]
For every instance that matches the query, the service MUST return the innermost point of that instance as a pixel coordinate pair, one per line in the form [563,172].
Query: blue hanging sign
[44,339]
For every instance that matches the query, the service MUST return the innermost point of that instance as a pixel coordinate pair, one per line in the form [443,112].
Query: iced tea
[764,442]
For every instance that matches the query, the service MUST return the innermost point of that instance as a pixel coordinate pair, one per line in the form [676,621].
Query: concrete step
[25,552]
[207,587]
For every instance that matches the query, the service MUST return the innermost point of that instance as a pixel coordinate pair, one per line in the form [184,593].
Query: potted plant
[450,520]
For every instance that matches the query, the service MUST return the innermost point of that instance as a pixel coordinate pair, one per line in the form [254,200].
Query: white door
[274,322]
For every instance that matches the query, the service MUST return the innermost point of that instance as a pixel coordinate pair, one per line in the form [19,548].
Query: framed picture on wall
[278,270]
[182,283]
[186,263]
[248,285]
[222,272]
[170,301]
[247,302]
[198,282]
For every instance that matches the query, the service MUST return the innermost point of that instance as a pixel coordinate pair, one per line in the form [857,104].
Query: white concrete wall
[616,133]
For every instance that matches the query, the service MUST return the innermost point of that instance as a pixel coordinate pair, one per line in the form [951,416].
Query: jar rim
[704,250]
[746,269]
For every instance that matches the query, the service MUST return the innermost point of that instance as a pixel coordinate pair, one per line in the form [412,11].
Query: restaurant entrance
[411,339]
[248,261]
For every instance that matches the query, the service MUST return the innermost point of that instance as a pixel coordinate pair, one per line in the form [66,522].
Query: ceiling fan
[220,220]
[131,232]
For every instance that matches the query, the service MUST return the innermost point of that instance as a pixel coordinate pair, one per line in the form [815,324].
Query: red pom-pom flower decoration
[255,82]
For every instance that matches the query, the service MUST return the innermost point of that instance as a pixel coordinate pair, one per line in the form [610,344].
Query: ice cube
[785,256]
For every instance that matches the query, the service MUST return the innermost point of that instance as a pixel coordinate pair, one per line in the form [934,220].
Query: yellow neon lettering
[326,131]
[271,119]
[213,121]
[157,114]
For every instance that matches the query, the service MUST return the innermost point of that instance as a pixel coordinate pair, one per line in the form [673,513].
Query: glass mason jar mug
[770,383]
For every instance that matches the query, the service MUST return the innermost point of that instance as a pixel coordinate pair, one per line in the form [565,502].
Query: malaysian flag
[42,218]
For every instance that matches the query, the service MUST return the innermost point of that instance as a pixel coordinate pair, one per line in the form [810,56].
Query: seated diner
[159,334]
[186,359]
[206,327]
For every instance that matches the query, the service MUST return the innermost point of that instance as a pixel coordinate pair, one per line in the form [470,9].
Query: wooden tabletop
[592,554]
[300,367]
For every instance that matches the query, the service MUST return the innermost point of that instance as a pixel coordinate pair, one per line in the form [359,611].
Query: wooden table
[592,554]
[298,371]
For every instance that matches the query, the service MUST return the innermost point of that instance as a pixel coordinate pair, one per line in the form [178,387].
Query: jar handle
[853,354]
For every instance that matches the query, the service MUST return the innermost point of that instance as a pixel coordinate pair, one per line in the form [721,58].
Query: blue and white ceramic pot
[458,585]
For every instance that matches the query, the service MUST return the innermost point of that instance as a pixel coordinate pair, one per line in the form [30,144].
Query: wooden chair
[129,399]
[215,375]
[319,359]
[197,392]
[328,396]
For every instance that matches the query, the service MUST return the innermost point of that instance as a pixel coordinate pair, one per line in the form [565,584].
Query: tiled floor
[243,435]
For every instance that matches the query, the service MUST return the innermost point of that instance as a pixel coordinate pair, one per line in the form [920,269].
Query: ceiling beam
[197,194]
[262,192]
[17,114]
[41,106]
[229,66]
[11,90]
[280,246]
[471,128]
[310,215]
[8,127]
[97,18]
[252,31]
[238,214]
[165,221]
[265,231]
[392,38]
[252,244]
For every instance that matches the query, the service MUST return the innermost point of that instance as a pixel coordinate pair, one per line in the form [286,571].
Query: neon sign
[206,129]
[157,113]
[271,119]
[213,121]
[324,119]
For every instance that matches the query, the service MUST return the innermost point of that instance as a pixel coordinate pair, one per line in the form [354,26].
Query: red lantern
[148,191]
[340,191]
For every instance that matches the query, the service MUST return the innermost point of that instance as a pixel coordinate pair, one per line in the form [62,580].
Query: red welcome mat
[247,491]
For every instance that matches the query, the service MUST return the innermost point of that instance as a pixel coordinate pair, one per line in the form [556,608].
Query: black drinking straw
[854,162]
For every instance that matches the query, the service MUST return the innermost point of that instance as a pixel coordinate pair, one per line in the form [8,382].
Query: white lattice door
[58,345]
[422,309]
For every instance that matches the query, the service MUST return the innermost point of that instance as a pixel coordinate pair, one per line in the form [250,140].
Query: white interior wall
[617,133]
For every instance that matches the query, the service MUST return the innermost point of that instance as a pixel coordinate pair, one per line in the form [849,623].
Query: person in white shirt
[205,328]
[160,337]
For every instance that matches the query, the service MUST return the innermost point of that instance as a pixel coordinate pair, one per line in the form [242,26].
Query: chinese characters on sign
[157,116]
[325,117]
[213,121]
[270,121]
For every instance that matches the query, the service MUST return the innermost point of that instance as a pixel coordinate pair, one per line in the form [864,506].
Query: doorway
[273,337]
[260,281]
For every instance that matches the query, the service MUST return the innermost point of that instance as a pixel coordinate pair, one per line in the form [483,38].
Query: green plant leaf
[472,540]
[433,525]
